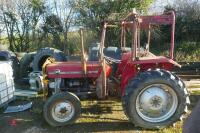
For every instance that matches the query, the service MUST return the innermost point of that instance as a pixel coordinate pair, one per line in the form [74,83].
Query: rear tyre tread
[45,53]
[148,76]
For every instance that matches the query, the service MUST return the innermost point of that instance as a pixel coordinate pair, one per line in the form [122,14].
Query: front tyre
[62,109]
[155,99]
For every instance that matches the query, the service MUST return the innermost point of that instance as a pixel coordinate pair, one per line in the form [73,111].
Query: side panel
[74,70]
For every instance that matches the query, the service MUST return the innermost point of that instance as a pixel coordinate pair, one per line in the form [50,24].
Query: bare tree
[2,27]
[64,9]
[37,13]
[24,19]
[8,20]
[20,18]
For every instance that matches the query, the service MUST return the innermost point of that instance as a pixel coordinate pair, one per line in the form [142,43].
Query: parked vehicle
[152,96]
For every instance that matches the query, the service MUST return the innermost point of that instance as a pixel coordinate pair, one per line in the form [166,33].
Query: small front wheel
[62,109]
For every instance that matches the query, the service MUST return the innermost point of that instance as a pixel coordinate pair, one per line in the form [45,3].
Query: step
[25,93]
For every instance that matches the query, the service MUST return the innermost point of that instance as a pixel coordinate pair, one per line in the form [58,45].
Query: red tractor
[152,96]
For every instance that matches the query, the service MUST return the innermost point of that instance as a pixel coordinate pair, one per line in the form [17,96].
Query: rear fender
[129,71]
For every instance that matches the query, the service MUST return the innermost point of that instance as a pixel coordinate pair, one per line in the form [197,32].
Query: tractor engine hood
[74,69]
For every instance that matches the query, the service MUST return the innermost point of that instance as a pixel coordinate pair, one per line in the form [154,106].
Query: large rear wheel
[155,99]
[62,109]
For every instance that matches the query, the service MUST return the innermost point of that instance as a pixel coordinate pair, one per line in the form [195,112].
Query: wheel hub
[153,99]
[63,111]
[156,103]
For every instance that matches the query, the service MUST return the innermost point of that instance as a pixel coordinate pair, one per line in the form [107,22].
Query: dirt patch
[97,116]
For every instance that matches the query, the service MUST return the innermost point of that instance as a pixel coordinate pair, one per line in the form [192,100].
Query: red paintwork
[146,21]
[129,68]
[77,67]
[156,20]
[166,19]
[131,63]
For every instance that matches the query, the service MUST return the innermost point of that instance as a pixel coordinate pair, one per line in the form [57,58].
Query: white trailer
[7,87]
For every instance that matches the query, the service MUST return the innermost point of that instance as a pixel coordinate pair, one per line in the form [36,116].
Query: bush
[188,51]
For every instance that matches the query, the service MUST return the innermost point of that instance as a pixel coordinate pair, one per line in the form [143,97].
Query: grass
[195,92]
[97,116]
[187,51]
[110,111]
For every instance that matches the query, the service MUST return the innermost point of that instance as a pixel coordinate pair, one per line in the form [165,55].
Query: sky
[158,6]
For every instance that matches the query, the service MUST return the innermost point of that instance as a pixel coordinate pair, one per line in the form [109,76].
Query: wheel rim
[156,103]
[63,111]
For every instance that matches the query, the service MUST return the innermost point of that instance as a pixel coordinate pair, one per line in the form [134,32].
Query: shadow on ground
[31,121]
[97,116]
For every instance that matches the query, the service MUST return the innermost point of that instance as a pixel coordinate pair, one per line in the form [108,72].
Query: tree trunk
[65,46]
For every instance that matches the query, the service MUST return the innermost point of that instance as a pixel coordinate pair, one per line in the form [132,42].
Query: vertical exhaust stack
[83,59]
